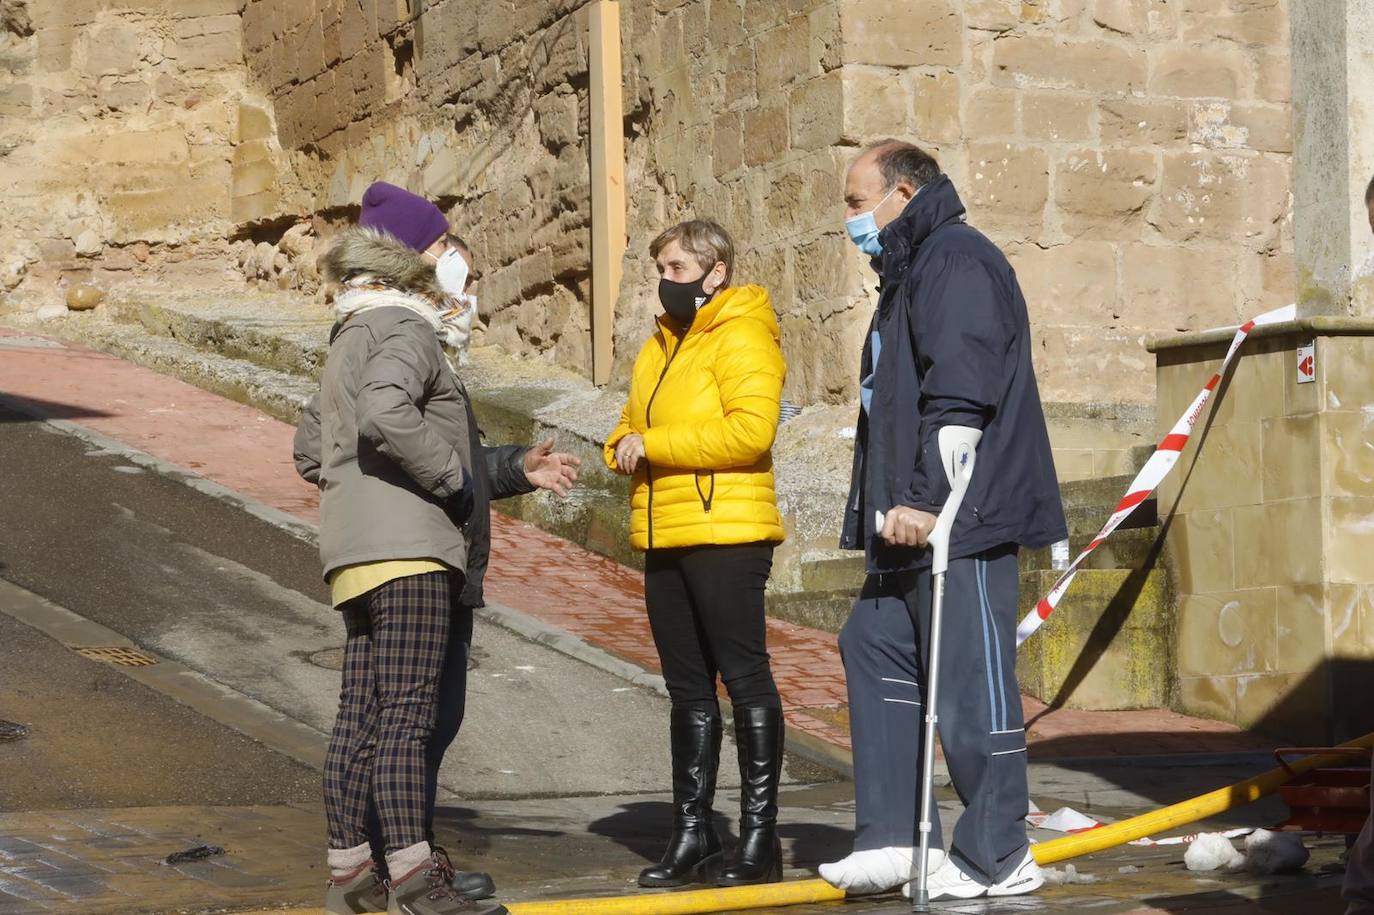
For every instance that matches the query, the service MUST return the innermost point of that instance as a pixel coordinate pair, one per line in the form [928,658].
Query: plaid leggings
[397,638]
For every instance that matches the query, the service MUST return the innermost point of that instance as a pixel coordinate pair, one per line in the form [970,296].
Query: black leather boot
[693,851]
[758,859]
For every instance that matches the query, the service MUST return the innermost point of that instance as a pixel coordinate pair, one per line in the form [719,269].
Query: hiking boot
[427,890]
[356,892]
[472,884]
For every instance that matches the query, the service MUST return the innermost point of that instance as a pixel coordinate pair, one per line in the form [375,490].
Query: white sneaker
[875,870]
[1027,878]
[949,881]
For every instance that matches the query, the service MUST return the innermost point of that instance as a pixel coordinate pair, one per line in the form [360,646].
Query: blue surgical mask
[863,229]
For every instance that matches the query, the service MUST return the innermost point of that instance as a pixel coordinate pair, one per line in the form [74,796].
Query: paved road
[553,786]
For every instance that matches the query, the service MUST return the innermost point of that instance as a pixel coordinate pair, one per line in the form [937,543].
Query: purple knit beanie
[409,217]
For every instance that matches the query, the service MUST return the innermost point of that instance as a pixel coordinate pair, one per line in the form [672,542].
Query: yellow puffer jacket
[707,405]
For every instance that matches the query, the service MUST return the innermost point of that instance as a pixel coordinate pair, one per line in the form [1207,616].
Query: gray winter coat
[388,438]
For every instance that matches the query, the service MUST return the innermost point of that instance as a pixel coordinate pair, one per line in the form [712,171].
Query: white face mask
[451,268]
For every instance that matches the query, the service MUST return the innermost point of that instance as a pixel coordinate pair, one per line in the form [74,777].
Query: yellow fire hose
[698,902]
[798,892]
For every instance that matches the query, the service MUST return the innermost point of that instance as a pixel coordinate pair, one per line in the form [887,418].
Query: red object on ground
[546,577]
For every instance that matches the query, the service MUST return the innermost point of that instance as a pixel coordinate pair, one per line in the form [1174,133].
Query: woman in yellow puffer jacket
[696,436]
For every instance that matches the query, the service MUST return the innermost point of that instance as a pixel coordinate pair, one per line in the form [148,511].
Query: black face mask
[681,300]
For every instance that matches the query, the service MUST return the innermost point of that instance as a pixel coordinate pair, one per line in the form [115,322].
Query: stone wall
[119,122]
[1131,156]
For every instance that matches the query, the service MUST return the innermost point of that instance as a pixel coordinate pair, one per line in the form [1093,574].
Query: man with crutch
[947,357]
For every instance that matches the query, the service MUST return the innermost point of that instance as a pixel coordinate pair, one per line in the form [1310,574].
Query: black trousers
[705,607]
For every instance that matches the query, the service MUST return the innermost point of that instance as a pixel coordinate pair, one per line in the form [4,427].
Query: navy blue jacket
[955,351]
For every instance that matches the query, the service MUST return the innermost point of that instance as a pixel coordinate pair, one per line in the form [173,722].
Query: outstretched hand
[551,470]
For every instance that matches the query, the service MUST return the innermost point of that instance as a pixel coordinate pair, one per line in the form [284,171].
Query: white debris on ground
[1068,875]
[1265,853]
[1128,869]
[1212,851]
[1274,852]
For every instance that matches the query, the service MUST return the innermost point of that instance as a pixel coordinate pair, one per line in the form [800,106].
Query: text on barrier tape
[1150,476]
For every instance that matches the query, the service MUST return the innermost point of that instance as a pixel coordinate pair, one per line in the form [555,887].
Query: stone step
[1106,646]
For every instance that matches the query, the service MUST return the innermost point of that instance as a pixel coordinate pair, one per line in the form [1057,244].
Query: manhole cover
[12,730]
[123,657]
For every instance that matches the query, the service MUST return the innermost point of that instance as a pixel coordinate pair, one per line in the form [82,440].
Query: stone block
[1035,61]
[1303,628]
[1292,458]
[251,178]
[212,43]
[741,76]
[1222,196]
[1258,23]
[992,15]
[1110,362]
[901,33]
[935,107]
[992,113]
[1073,283]
[827,38]
[1200,72]
[1008,185]
[1057,117]
[112,49]
[816,112]
[1229,633]
[1151,19]
[1280,543]
[1274,77]
[255,208]
[727,143]
[1352,619]
[766,133]
[165,147]
[558,121]
[254,123]
[875,103]
[784,55]
[16,100]
[1179,287]
[826,269]
[1208,697]
[1132,121]
[1200,549]
[1350,538]
[1347,458]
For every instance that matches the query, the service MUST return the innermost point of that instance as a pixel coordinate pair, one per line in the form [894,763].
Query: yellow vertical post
[608,179]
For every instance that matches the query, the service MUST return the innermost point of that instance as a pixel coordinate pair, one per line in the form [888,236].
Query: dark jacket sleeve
[505,467]
[399,371]
[306,446]
[961,337]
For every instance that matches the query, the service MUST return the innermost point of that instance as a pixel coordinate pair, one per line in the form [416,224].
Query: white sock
[875,870]
[400,863]
[344,861]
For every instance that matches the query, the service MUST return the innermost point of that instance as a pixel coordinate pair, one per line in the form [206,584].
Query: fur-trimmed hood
[359,251]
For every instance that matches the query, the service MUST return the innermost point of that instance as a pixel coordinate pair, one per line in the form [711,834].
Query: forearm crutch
[957,445]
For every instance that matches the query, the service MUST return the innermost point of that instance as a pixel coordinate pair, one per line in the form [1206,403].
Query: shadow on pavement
[16,409]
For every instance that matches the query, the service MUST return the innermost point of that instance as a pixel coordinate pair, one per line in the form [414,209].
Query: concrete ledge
[1317,325]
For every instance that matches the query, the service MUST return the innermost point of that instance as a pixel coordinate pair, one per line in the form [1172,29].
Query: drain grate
[124,657]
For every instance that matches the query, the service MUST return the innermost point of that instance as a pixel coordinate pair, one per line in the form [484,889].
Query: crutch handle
[958,448]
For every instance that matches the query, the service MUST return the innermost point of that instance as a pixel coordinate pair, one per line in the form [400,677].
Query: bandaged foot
[875,870]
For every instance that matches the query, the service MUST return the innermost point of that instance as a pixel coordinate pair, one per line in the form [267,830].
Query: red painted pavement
[588,595]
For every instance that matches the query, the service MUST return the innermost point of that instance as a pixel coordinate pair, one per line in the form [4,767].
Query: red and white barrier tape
[1150,476]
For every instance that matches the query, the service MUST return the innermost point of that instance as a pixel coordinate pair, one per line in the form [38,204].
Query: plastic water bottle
[1059,556]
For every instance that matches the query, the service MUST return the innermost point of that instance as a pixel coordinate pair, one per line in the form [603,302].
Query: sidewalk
[551,580]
